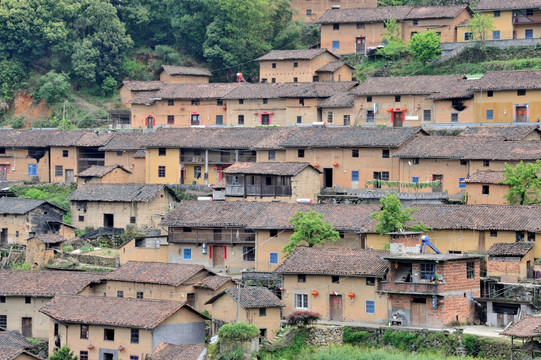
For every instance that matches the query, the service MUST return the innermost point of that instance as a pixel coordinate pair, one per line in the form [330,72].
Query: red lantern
[256,113]
[404,109]
[316,165]
[121,348]
[225,107]
[441,302]
[181,108]
[335,164]
[90,347]
[315,293]
[351,295]
[389,110]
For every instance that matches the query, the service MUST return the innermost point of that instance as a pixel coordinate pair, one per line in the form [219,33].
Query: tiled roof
[51,238]
[46,138]
[155,272]
[14,339]
[219,185]
[145,98]
[486,177]
[44,283]
[186,91]
[258,91]
[510,249]
[185,70]
[142,85]
[10,353]
[19,206]
[469,148]
[116,192]
[331,261]
[509,80]
[507,4]
[111,311]
[274,140]
[384,13]
[413,85]
[166,351]
[312,137]
[268,168]
[480,217]
[100,171]
[332,66]
[126,141]
[214,214]
[317,90]
[342,217]
[139,154]
[213,282]
[512,132]
[251,297]
[530,326]
[307,54]
[338,100]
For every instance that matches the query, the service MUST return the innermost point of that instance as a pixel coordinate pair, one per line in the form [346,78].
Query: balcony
[411,288]
[527,20]
[216,238]
[257,190]
[216,158]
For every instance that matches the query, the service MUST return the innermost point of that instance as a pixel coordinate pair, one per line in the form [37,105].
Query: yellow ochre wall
[286,72]
[182,79]
[18,161]
[252,110]
[127,160]
[502,105]
[67,163]
[494,196]
[15,308]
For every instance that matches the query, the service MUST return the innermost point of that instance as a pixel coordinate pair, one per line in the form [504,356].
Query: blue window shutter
[414,179]
[32,169]
[461,183]
[273,258]
[490,114]
[187,254]
[529,34]
[335,45]
[355,175]
[370,307]
[496,35]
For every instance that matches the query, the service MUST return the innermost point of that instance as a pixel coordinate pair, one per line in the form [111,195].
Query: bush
[12,74]
[51,87]
[355,337]
[302,318]
[67,248]
[17,122]
[235,355]
[64,353]
[21,266]
[108,86]
[86,249]
[402,340]
[238,332]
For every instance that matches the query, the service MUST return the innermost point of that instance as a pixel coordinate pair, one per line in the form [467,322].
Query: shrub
[86,249]
[235,355]
[238,332]
[103,246]
[402,340]
[355,337]
[17,122]
[51,87]
[64,353]
[67,248]
[21,266]
[108,86]
[302,318]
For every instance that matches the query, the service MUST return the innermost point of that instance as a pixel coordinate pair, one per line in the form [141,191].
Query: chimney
[405,243]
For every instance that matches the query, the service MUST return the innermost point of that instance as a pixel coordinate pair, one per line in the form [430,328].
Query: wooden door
[265,119]
[26,327]
[150,122]
[335,307]
[438,188]
[360,45]
[69,176]
[4,236]
[3,172]
[218,255]
[418,313]
[481,243]
[521,114]
[397,119]
[195,119]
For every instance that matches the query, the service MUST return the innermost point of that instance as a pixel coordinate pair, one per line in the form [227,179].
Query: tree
[425,46]
[394,46]
[51,87]
[63,353]
[310,230]
[394,218]
[525,185]
[480,25]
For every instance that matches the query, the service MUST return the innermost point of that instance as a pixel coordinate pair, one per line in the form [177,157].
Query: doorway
[108,220]
[360,45]
[69,176]
[521,114]
[336,307]
[150,122]
[438,188]
[26,327]
[195,120]
[265,119]
[108,356]
[4,236]
[397,119]
[3,172]
[327,178]
[418,312]
[218,256]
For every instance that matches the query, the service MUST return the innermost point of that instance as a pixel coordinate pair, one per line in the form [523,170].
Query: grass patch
[53,193]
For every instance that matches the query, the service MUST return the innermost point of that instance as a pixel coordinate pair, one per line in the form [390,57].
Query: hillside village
[179,217]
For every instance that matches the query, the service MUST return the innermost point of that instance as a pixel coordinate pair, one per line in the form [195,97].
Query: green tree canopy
[310,230]
[394,218]
[394,46]
[480,25]
[525,185]
[425,46]
[63,353]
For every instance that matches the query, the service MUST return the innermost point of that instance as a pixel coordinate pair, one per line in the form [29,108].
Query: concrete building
[120,328]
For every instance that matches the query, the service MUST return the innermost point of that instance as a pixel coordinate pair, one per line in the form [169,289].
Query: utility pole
[238,301]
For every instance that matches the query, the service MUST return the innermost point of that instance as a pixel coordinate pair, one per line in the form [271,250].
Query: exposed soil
[23,105]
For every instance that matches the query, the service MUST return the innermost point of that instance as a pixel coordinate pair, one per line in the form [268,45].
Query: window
[170,119]
[133,219]
[170,102]
[187,254]
[299,119]
[162,151]
[301,301]
[415,161]
[120,293]
[496,35]
[463,162]
[485,190]
[273,233]
[369,99]
[273,258]
[468,36]
[308,12]
[301,278]
[415,22]
[470,270]
[370,116]
[427,115]
[140,295]
[300,153]
[161,171]
[219,102]
[380,175]
[65,153]
[360,25]
[3,321]
[335,279]
[486,163]
[83,355]
[219,119]
[241,101]
[335,45]
[315,78]
[330,117]
[84,332]
[355,175]
[413,33]
[28,300]
[454,117]
[428,271]
[490,93]
[187,229]
[385,153]
[265,101]
[295,64]
[134,339]
[134,357]
[32,169]
[355,153]
[301,101]
[521,92]
[347,120]
[58,170]
[2,299]
[109,334]
[370,281]
[263,312]
[272,155]
[274,65]
[461,183]
[264,80]
[336,26]
[55,331]
[497,13]
[295,80]
[81,218]
[528,34]
[397,98]
[240,119]
[273,80]
[529,12]
[119,153]
[493,233]
[195,101]
[248,253]
[490,115]
[370,307]
[190,299]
